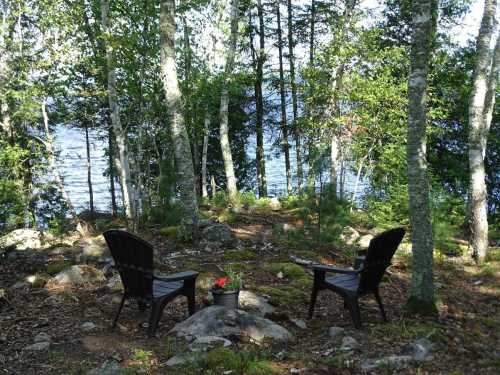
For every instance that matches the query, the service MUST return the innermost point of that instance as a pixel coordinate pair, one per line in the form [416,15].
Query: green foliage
[54,268]
[289,270]
[170,231]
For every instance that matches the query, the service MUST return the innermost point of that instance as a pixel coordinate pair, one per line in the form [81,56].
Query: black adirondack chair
[134,260]
[364,279]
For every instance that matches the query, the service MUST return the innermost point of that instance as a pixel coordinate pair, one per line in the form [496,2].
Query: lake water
[72,162]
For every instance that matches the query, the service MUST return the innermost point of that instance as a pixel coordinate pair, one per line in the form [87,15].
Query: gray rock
[41,337]
[206,343]
[38,346]
[110,367]
[251,301]
[23,239]
[219,234]
[336,331]
[349,343]
[94,249]
[364,241]
[179,359]
[349,235]
[299,323]
[420,350]
[115,283]
[223,322]
[77,275]
[88,326]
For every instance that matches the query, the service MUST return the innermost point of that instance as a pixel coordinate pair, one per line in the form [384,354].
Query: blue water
[72,163]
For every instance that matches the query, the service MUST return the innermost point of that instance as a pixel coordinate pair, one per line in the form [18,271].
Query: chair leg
[353,306]
[380,305]
[189,291]
[314,295]
[154,317]
[142,306]
[119,311]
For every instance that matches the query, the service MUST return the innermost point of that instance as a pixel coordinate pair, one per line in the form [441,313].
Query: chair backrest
[378,258]
[134,260]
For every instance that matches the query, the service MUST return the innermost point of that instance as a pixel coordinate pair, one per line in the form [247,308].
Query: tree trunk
[224,103]
[295,126]
[424,14]
[311,36]
[478,133]
[120,135]
[89,173]
[284,129]
[182,150]
[206,132]
[259,102]
[111,155]
[5,124]
[213,186]
[334,156]
[310,143]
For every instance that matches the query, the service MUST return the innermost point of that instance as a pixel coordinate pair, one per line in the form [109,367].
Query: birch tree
[182,150]
[484,85]
[421,299]
[122,160]
[224,103]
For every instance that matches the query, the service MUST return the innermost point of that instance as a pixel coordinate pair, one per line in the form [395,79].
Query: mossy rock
[171,231]
[56,267]
[289,270]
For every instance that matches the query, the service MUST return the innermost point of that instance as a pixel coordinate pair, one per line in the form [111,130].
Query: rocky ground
[58,299]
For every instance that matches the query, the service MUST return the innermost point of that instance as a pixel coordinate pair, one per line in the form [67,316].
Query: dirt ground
[466,332]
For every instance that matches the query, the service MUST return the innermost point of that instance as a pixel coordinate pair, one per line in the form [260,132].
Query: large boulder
[349,235]
[364,241]
[77,276]
[254,303]
[23,239]
[222,322]
[219,235]
[274,204]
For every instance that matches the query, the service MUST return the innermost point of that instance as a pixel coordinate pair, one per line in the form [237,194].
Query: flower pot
[228,298]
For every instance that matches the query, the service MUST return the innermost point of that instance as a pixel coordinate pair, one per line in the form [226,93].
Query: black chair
[134,260]
[362,280]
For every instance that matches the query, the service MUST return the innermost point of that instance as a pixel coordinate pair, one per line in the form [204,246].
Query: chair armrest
[359,261]
[186,275]
[324,268]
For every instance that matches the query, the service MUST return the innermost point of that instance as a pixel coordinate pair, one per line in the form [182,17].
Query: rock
[251,301]
[59,299]
[88,326]
[203,223]
[38,346]
[299,323]
[115,283]
[349,235]
[179,359]
[336,331]
[219,321]
[23,239]
[393,362]
[220,234]
[110,367]
[19,285]
[76,276]
[364,241]
[41,337]
[274,204]
[206,343]
[349,343]
[93,248]
[91,311]
[420,350]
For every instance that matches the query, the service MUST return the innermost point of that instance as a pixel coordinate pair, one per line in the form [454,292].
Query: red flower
[220,282]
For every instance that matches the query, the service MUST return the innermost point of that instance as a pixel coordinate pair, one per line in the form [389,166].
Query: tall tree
[259,102]
[114,109]
[478,131]
[224,103]
[182,150]
[284,129]
[424,18]
[293,85]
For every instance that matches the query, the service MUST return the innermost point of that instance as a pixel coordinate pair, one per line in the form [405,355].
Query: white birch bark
[224,103]
[424,14]
[186,180]
[478,119]
[114,108]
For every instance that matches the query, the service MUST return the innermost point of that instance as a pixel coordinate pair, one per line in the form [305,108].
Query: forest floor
[466,331]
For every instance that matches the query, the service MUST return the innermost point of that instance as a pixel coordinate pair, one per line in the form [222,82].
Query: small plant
[233,281]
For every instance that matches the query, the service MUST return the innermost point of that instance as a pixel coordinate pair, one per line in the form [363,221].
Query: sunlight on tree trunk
[182,150]
[478,133]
